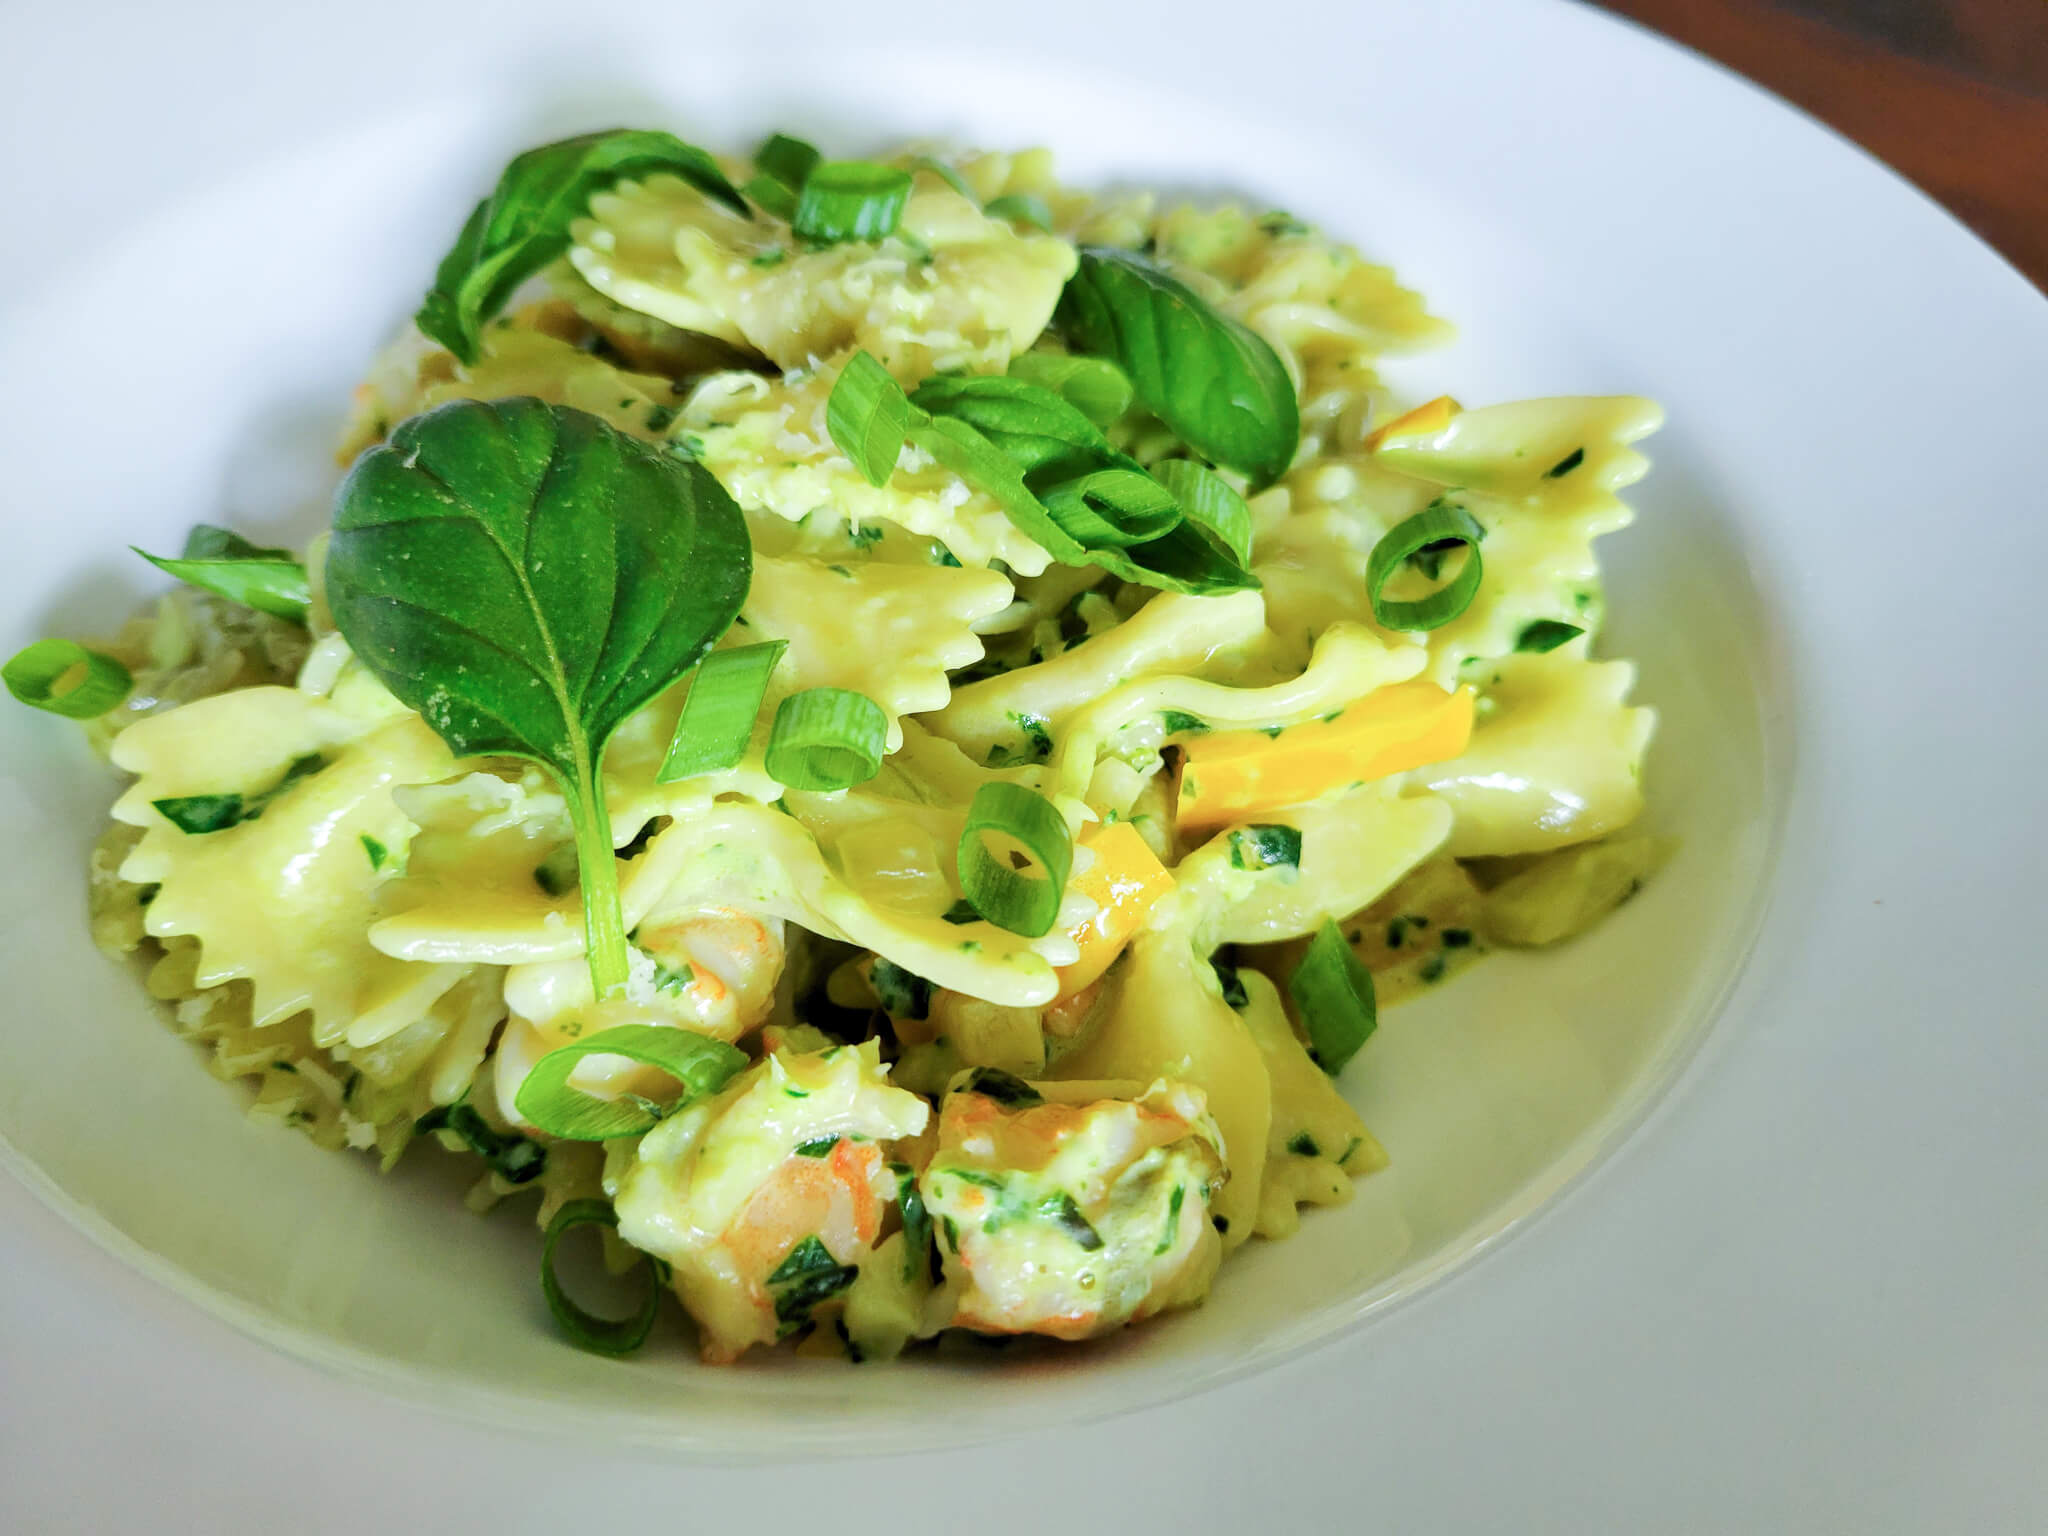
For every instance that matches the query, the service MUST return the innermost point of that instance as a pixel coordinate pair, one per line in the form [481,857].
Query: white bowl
[246,311]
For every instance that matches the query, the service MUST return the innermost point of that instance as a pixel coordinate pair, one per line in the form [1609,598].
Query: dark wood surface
[1951,93]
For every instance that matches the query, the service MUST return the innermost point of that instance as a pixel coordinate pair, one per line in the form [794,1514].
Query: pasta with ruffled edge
[372,946]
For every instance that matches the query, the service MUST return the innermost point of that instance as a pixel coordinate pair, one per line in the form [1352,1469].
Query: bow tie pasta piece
[284,896]
[1072,1219]
[768,1198]
[1316,1144]
[1556,759]
[518,362]
[1354,846]
[1172,634]
[1132,720]
[533,351]
[891,632]
[477,887]
[1539,475]
[953,289]
[768,443]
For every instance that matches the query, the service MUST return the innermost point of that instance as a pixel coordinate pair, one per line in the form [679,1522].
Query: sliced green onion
[1094,386]
[718,715]
[223,562]
[1021,208]
[1003,1087]
[945,173]
[1112,508]
[1208,500]
[34,671]
[547,1100]
[827,739]
[1439,523]
[1001,892]
[771,197]
[586,1330]
[850,200]
[787,160]
[1333,992]
[1546,635]
[869,416]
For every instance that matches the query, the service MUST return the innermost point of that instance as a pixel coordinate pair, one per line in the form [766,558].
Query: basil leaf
[1545,635]
[1097,389]
[524,224]
[526,578]
[198,814]
[220,561]
[33,673]
[845,200]
[1221,388]
[1048,439]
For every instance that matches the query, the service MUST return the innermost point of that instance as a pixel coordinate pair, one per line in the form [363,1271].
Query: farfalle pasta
[878,731]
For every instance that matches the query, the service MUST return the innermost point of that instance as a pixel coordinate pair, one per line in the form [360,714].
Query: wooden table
[1951,93]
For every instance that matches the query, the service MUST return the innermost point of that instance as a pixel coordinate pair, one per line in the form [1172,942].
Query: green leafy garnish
[1003,1087]
[1093,386]
[512,1157]
[1178,722]
[1565,465]
[374,850]
[268,580]
[1301,1144]
[820,1146]
[1435,531]
[917,1224]
[34,672]
[1066,1213]
[787,160]
[843,200]
[1333,991]
[903,995]
[1049,467]
[1269,846]
[1546,635]
[524,224]
[1028,833]
[717,721]
[808,1276]
[826,739]
[1220,387]
[599,1335]
[527,578]
[1020,208]
[545,1099]
[216,813]
[1173,1206]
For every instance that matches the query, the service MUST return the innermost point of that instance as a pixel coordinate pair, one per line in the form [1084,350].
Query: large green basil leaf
[221,561]
[524,224]
[1221,388]
[526,577]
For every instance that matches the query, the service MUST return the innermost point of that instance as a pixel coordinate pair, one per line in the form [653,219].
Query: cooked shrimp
[766,1199]
[712,972]
[1073,1219]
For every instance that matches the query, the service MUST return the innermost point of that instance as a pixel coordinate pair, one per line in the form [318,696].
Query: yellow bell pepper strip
[1426,420]
[1124,881]
[1231,774]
